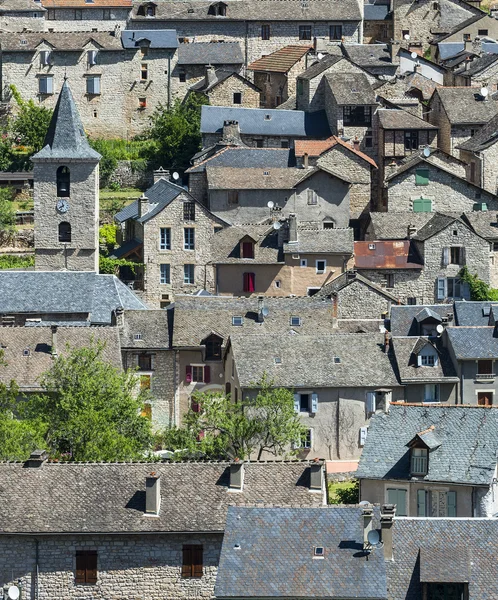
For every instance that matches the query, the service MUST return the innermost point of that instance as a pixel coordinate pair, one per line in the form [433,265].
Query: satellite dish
[373,538]
[176,176]
[270,204]
[277,225]
[320,56]
[364,503]
[484,92]
[13,592]
[382,329]
[406,36]
[414,55]
[427,152]
[265,312]
[440,328]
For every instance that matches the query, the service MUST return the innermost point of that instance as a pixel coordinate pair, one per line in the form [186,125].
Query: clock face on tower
[62,205]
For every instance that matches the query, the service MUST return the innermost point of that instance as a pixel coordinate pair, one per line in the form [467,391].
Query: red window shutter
[187,561]
[188,374]
[91,567]
[207,374]
[246,282]
[197,552]
[200,435]
[80,568]
[252,282]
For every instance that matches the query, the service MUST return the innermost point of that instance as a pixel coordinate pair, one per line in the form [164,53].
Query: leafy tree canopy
[479,289]
[31,122]
[7,212]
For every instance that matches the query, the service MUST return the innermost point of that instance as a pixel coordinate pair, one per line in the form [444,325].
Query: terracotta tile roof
[388,254]
[83,4]
[318,147]
[280,61]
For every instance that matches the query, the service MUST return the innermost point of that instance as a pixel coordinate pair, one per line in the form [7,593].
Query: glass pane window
[418,461]
[428,360]
[305,32]
[411,140]
[485,367]
[188,274]
[213,348]
[189,238]
[165,238]
[335,32]
[197,374]
[189,211]
[357,115]
[165,274]
[46,85]
[93,85]
[431,392]
[265,32]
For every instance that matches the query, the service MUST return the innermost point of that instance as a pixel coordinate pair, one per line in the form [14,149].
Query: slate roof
[263,178]
[268,553]
[484,223]
[392,118]
[322,241]
[403,318]
[423,545]
[473,342]
[386,254]
[320,66]
[406,350]
[158,38]
[462,25]
[484,138]
[467,454]
[421,83]
[319,147]
[252,10]
[67,41]
[62,292]
[210,53]
[280,61]
[473,313]
[221,75]
[247,158]
[263,121]
[227,245]
[438,223]
[376,12]
[66,137]
[348,278]
[197,317]
[27,370]
[110,497]
[369,55]
[437,159]
[151,325]
[21,6]
[477,65]
[255,355]
[351,88]
[84,4]
[450,49]
[394,225]
[465,106]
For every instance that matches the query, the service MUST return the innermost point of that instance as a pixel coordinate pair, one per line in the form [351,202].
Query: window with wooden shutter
[422,205]
[421,503]
[192,561]
[441,288]
[188,374]
[398,497]
[86,567]
[451,504]
[314,403]
[249,282]
[422,177]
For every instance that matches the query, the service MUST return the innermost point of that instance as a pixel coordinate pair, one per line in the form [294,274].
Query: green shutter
[422,205]
[398,497]
[422,177]
[421,510]
[451,504]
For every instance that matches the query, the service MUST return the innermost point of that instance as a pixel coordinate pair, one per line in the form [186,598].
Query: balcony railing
[419,465]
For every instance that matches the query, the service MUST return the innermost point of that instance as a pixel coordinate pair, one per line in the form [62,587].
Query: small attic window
[371,246]
[219,9]
[278,360]
[486,310]
[319,551]
[419,461]
[266,172]
[295,321]
[24,42]
[237,321]
[137,336]
[26,352]
[337,360]
[267,117]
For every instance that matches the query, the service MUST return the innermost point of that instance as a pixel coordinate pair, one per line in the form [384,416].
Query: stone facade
[12,20]
[358,299]
[484,78]
[86,18]
[481,167]
[276,87]
[145,566]
[225,93]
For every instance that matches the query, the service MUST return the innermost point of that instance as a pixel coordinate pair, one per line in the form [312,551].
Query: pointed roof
[66,137]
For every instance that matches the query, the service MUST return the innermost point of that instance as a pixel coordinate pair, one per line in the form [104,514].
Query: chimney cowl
[317,479]
[161,174]
[36,459]
[152,495]
[143,205]
[236,476]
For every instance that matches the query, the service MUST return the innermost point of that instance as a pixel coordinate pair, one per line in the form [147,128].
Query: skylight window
[237,321]
[278,360]
[337,360]
[295,321]
[137,336]
[319,551]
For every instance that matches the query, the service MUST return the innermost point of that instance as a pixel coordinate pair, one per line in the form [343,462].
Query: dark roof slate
[153,38]
[469,343]
[320,66]
[152,326]
[210,53]
[404,323]
[392,118]
[248,158]
[465,105]
[322,241]
[351,89]
[473,313]
[484,138]
[406,350]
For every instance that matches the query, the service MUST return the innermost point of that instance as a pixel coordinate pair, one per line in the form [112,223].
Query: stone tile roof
[67,41]
[405,351]
[473,342]
[247,158]
[157,38]
[438,159]
[197,317]
[226,245]
[351,88]
[240,178]
[264,121]
[85,4]
[394,118]
[256,354]
[322,241]
[221,75]
[269,553]
[320,66]
[479,64]
[404,322]
[37,342]
[63,292]
[110,497]
[462,25]
[465,105]
[21,6]
[152,326]
[422,84]
[252,10]
[376,11]
[438,223]
[210,53]
[459,58]
[394,225]
[484,223]
[386,254]
[319,147]
[280,61]
[423,545]
[484,138]
[467,454]
[473,313]
[349,277]
[368,55]
[66,137]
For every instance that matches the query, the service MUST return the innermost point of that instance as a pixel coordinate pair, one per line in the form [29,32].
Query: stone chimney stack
[210,76]
[231,134]
[36,459]
[305,160]
[292,229]
[161,174]
[356,144]
[411,231]
[152,494]
[143,205]
[261,307]
[317,478]
[53,329]
[387,513]
[367,515]
[118,319]
[335,307]
[237,476]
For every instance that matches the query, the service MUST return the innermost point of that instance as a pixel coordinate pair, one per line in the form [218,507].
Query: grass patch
[123,193]
[343,492]
[11,261]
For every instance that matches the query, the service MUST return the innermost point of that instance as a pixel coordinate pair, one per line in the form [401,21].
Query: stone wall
[408,283]
[223,93]
[21,20]
[357,300]
[133,174]
[137,566]
[86,19]
[484,169]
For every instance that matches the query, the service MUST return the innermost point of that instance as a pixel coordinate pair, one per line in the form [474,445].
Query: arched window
[218,9]
[213,347]
[63,182]
[64,232]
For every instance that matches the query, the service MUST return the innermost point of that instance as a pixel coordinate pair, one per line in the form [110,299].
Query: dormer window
[213,347]
[219,9]
[45,57]
[150,10]
[428,360]
[427,356]
[247,249]
[419,460]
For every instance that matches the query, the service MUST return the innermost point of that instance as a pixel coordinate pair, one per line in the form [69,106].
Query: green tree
[30,124]
[479,290]
[91,408]
[107,236]
[175,133]
[7,212]
[222,429]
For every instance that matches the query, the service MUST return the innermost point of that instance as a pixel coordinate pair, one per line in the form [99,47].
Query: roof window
[137,336]
[237,321]
[266,172]
[295,321]
[278,360]
[319,551]
[267,117]
[26,352]
[371,246]
[337,360]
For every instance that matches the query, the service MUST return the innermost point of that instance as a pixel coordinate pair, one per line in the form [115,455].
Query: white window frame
[189,239]
[437,392]
[161,274]
[237,324]
[294,317]
[197,366]
[185,274]
[319,271]
[303,262]
[167,238]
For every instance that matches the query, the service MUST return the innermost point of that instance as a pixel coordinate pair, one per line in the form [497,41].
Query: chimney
[417,68]
[36,459]
[118,319]
[161,174]
[305,160]
[411,231]
[386,342]
[393,51]
[292,229]
[231,134]
[467,47]
[387,513]
[53,328]
[356,144]
[316,476]
[335,306]
[236,476]
[152,494]
[143,205]
[261,309]
[210,76]
[367,515]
